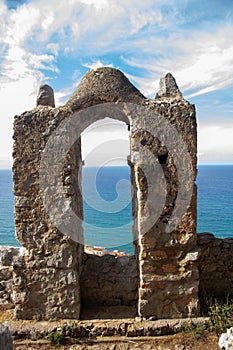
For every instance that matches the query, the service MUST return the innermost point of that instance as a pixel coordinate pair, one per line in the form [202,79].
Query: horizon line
[125,165]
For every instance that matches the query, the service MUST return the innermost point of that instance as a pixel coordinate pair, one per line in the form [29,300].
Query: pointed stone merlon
[168,87]
[45,96]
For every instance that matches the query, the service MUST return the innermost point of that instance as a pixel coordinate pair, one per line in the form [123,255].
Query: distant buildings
[102,251]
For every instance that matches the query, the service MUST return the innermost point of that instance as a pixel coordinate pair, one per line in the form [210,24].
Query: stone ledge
[100,328]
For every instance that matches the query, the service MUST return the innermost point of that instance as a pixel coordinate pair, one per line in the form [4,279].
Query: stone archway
[47,162]
[111,287]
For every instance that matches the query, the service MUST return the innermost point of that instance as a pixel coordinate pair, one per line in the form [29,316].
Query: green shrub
[56,337]
[60,335]
[221,315]
[196,330]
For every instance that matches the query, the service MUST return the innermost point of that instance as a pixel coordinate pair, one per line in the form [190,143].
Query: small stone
[8,255]
[157,255]
[22,201]
[45,96]
[5,273]
[6,342]
[6,304]
[169,268]
[138,319]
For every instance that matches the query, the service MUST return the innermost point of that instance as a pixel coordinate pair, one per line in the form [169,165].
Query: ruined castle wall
[9,257]
[215,266]
[163,166]
[109,280]
[6,286]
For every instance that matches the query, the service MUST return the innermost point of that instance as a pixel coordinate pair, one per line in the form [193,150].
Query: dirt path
[171,342]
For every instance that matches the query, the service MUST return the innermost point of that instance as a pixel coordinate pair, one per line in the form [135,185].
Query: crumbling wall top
[104,85]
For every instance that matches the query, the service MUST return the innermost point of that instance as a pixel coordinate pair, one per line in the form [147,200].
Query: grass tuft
[221,315]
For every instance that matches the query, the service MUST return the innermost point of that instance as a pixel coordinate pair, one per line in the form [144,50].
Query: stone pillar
[46,282]
[167,256]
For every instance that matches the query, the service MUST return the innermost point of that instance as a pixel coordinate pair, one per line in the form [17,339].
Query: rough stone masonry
[47,280]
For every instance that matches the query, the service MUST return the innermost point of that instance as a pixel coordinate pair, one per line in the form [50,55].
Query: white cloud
[106,142]
[53,48]
[215,143]
[200,61]
[5,162]
[96,64]
[62,96]
[148,37]
[3,12]
[15,97]
[99,4]
[21,24]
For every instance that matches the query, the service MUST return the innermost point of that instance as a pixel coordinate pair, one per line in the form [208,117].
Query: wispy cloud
[145,39]
[201,63]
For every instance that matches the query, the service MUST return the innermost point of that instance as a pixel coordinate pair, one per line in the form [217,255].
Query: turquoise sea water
[107,205]
[215,200]
[6,209]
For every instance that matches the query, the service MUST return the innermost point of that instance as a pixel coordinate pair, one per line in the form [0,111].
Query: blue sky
[57,42]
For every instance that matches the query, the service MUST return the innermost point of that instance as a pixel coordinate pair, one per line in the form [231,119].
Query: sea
[108,208]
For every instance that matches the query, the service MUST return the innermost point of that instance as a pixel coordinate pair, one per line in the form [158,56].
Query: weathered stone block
[6,342]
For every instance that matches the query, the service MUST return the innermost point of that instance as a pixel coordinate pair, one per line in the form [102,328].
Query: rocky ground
[123,334]
[169,342]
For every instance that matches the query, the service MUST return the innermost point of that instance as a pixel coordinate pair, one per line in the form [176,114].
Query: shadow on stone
[6,342]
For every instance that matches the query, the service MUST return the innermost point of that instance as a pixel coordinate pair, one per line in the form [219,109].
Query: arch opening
[108,222]
[106,186]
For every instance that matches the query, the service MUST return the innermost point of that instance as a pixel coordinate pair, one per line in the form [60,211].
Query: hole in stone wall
[163,158]
[106,186]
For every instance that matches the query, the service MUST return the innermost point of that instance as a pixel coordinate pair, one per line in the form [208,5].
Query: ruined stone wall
[46,284]
[6,285]
[109,280]
[167,258]
[163,166]
[215,266]
[9,257]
